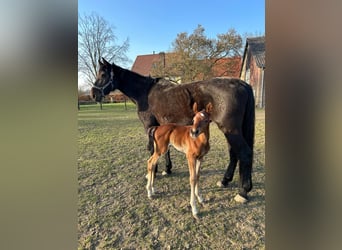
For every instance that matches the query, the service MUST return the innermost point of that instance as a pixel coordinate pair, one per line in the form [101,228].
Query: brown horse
[191,140]
[160,102]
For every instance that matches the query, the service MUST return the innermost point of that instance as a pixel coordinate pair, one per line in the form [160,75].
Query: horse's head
[201,120]
[104,82]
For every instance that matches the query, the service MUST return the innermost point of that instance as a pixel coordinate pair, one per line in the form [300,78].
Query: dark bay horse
[160,101]
[193,140]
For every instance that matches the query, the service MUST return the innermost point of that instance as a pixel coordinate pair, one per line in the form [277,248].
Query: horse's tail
[249,119]
[150,134]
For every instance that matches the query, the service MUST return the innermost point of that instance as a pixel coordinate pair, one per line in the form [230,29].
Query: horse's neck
[135,86]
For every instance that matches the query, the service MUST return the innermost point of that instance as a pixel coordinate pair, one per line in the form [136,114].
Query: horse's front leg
[197,189]
[168,164]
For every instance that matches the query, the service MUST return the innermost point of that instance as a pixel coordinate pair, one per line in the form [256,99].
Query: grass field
[115,213]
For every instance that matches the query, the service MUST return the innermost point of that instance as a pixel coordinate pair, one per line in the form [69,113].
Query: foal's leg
[150,148]
[151,163]
[197,189]
[193,180]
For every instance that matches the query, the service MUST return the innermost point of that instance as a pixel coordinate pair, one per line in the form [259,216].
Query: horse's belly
[171,105]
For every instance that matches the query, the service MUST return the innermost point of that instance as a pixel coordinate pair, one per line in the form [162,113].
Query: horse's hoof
[220,184]
[166,172]
[240,199]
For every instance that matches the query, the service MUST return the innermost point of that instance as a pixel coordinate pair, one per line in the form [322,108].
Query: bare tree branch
[96,39]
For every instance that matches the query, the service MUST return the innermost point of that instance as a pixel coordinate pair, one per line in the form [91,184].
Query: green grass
[114,211]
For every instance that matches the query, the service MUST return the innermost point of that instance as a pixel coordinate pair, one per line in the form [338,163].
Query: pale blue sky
[152,25]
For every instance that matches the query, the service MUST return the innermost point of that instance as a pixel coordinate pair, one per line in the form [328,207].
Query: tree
[96,39]
[193,57]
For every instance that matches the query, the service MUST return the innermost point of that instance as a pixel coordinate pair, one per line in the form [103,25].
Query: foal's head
[201,120]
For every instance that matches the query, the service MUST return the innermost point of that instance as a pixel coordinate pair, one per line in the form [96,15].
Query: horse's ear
[105,62]
[209,108]
[100,63]
[194,108]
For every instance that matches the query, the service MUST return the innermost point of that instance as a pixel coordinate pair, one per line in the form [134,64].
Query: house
[115,96]
[253,68]
[146,65]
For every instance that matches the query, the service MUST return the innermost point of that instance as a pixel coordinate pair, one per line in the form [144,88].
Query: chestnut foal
[192,140]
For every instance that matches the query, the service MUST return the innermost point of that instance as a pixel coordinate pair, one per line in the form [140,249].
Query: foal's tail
[249,119]
[150,134]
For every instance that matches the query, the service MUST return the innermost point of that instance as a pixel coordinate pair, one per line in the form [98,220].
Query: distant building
[145,64]
[253,68]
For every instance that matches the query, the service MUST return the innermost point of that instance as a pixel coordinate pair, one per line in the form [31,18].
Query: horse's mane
[163,81]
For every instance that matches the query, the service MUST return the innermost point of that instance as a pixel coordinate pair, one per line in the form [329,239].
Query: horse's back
[229,97]
[172,103]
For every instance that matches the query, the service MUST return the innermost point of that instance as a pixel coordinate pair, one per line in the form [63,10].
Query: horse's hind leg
[245,156]
[229,174]
[168,164]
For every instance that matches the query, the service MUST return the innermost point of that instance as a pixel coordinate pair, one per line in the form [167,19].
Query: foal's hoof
[240,199]
[150,196]
[196,217]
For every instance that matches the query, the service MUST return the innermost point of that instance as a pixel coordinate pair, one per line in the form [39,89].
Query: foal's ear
[100,63]
[209,108]
[194,108]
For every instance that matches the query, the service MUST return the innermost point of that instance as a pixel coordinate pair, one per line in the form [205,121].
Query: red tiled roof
[143,65]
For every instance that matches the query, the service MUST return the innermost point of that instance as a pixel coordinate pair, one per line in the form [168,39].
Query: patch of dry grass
[114,211]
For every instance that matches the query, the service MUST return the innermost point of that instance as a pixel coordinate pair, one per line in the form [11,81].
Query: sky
[152,25]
